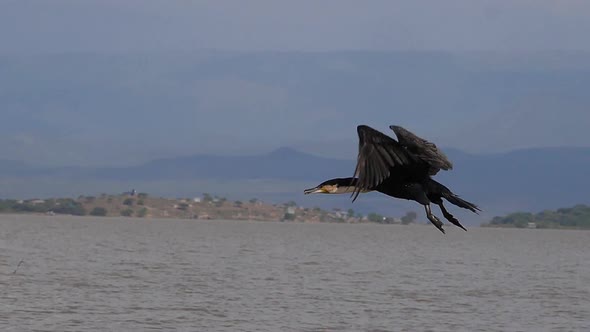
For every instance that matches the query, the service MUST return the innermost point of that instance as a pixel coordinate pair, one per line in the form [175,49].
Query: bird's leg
[433,219]
[450,217]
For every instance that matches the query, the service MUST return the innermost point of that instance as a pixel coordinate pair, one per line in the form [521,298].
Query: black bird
[400,169]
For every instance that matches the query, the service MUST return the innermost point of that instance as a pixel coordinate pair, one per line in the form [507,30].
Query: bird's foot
[436,222]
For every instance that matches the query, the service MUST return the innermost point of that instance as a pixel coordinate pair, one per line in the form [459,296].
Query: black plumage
[401,169]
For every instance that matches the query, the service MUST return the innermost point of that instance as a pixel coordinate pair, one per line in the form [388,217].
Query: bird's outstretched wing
[378,154]
[423,150]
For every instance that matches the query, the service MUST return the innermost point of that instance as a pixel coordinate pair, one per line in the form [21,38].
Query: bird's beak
[316,190]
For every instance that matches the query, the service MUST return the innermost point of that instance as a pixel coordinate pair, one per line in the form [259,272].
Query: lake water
[115,274]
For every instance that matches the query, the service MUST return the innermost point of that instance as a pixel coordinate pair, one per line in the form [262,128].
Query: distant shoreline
[487,225]
[142,205]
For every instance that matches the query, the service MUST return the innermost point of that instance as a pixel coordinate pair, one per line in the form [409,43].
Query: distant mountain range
[281,164]
[531,179]
[120,109]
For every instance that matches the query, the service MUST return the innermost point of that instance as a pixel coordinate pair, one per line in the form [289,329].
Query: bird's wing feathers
[378,154]
[422,149]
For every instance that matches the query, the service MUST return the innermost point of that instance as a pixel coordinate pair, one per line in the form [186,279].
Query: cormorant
[401,169]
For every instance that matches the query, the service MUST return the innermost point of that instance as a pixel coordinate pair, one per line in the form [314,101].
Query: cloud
[452,25]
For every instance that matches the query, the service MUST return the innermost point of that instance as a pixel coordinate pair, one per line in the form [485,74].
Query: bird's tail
[447,194]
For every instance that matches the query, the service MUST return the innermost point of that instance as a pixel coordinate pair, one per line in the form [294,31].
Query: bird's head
[333,186]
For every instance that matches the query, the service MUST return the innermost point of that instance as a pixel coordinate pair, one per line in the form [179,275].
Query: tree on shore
[375,217]
[127,213]
[409,218]
[98,211]
[350,213]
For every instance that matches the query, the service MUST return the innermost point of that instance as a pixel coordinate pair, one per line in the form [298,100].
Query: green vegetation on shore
[574,217]
[58,206]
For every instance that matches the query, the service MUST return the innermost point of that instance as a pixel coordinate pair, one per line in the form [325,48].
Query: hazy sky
[86,110]
[453,25]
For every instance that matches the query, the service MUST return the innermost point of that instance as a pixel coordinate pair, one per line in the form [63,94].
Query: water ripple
[85,274]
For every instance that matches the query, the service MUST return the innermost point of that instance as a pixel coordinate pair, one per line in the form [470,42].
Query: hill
[281,164]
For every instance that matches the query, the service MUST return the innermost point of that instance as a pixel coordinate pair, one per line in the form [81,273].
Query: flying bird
[401,169]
